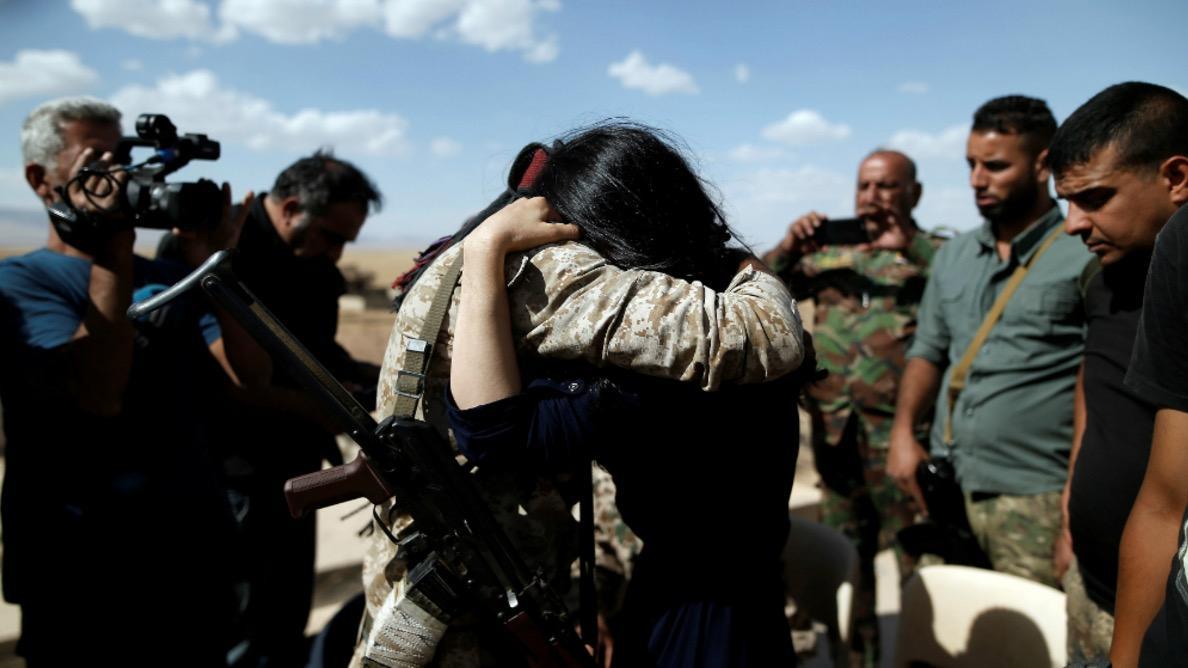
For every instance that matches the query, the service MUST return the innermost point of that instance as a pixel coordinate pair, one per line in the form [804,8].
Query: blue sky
[777,101]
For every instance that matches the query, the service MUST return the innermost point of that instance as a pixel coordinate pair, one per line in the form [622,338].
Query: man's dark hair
[321,180]
[1144,122]
[1020,115]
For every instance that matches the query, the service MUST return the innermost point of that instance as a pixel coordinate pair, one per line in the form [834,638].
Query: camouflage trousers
[1090,628]
[1018,533]
[863,502]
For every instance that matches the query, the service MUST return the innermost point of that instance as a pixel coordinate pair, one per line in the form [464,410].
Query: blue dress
[702,478]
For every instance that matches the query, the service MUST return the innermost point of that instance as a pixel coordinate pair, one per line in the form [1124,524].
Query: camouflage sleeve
[570,303]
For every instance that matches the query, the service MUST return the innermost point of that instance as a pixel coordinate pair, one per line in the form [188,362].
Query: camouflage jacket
[865,316]
[567,302]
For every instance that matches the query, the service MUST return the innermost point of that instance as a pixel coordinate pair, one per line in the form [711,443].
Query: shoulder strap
[410,378]
[961,370]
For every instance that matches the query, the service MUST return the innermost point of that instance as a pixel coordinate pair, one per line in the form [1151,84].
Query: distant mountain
[25,229]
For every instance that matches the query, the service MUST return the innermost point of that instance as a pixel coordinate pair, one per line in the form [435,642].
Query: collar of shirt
[1025,243]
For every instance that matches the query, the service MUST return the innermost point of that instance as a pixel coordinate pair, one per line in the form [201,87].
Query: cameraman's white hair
[41,134]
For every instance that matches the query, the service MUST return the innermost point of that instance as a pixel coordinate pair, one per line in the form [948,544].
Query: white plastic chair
[956,616]
[820,569]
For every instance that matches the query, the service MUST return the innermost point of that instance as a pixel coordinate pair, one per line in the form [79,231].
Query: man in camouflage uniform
[866,297]
[567,302]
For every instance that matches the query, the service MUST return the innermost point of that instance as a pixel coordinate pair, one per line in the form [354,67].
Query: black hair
[1017,114]
[630,190]
[638,202]
[1145,123]
[321,180]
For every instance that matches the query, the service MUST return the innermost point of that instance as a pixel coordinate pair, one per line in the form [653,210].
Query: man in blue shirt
[115,524]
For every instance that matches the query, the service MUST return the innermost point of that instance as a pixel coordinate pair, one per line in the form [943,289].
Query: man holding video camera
[866,276]
[115,523]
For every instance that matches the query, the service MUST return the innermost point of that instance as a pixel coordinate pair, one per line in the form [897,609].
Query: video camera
[147,200]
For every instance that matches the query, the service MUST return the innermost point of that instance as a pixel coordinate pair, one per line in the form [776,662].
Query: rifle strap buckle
[410,380]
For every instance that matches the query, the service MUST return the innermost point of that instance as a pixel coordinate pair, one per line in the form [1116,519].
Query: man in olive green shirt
[1012,425]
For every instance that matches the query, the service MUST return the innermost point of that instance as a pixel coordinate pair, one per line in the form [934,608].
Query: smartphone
[841,232]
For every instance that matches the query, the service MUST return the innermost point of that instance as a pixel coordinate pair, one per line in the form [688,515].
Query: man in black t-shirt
[1120,162]
[1159,373]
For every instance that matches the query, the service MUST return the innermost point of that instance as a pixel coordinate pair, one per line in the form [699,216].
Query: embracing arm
[484,367]
[570,303]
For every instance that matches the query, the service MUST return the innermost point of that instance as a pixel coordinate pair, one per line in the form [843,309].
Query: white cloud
[753,153]
[947,207]
[949,143]
[742,73]
[805,126]
[132,65]
[762,203]
[495,25]
[162,19]
[544,51]
[409,19]
[444,147]
[36,73]
[300,21]
[913,87]
[801,185]
[635,72]
[196,102]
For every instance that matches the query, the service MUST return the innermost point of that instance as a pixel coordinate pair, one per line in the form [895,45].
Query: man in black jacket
[287,256]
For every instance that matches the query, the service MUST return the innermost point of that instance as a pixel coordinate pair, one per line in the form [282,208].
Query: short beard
[1018,203]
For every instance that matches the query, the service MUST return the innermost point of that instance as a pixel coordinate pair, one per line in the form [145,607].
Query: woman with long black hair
[703,478]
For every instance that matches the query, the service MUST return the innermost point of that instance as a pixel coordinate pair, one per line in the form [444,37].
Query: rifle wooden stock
[354,480]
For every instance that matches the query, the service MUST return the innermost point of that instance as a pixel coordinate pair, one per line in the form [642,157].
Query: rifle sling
[410,387]
[410,378]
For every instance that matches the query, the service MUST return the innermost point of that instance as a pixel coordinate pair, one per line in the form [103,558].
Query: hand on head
[524,224]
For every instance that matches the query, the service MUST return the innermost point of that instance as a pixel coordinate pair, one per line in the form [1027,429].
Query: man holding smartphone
[866,276]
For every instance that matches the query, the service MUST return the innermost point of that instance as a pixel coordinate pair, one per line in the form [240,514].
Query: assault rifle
[460,558]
